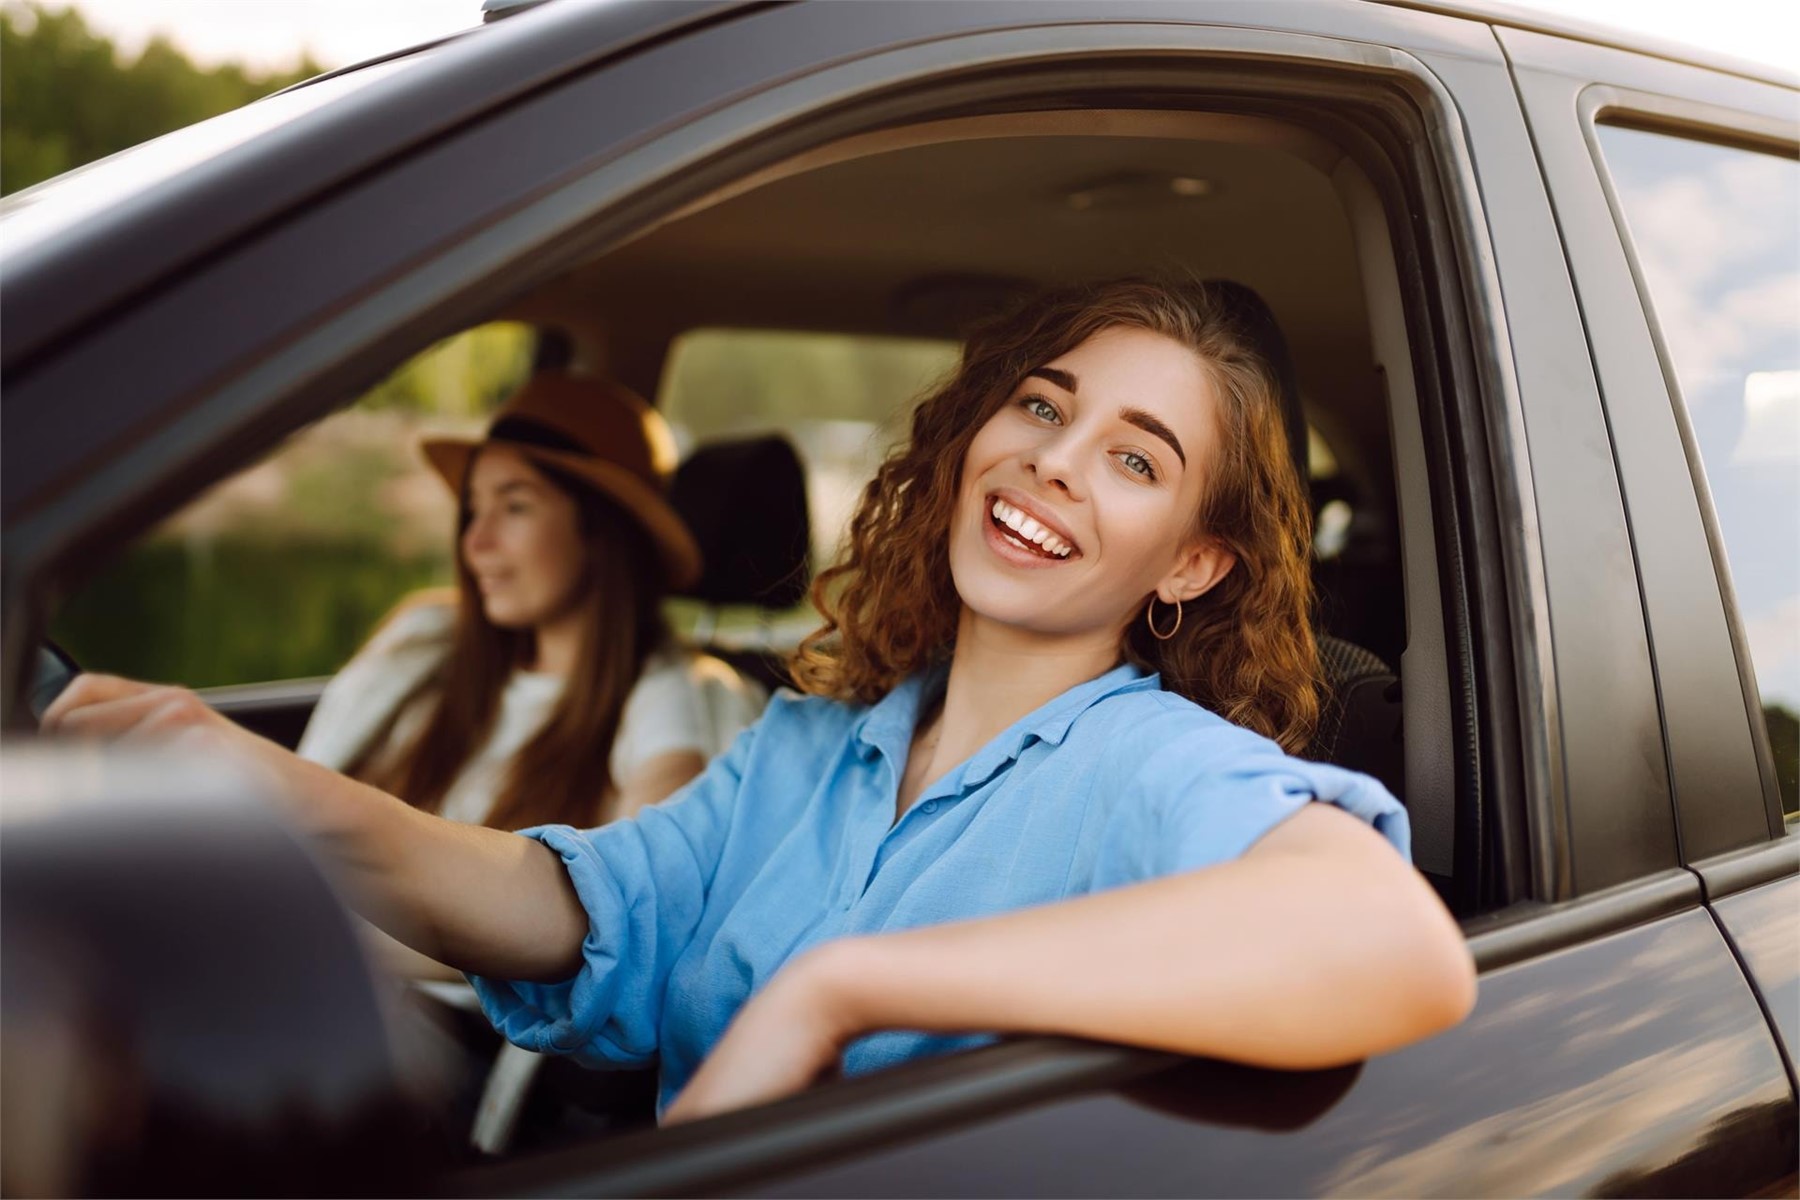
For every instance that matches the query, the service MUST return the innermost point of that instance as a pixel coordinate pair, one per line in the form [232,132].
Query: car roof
[194,191]
[1536,20]
[134,219]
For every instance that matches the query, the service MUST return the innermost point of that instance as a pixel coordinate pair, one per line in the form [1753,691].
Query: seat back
[745,501]
[1359,725]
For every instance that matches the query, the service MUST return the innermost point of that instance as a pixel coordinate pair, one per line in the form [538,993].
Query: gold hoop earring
[1154,631]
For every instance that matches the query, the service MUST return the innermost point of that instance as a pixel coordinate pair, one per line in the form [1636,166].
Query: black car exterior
[1616,825]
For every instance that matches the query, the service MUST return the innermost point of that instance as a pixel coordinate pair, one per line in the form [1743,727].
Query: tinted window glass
[1716,231]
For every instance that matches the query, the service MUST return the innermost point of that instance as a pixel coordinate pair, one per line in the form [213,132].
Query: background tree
[67,98]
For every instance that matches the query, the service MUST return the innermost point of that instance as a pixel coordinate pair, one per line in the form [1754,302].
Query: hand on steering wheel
[51,673]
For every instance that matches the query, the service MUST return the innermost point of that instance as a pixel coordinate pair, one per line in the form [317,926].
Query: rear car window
[841,399]
[1715,237]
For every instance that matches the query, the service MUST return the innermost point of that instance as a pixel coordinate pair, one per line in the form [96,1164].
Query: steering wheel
[50,674]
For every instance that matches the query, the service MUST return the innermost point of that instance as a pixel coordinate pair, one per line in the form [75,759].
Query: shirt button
[929,806]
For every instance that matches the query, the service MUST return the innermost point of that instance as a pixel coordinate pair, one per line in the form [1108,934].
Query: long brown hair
[1245,649]
[562,775]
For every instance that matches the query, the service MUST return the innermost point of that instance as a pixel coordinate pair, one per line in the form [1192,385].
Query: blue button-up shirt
[789,839]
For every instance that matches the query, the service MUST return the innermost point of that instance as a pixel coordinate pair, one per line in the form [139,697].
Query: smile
[1026,533]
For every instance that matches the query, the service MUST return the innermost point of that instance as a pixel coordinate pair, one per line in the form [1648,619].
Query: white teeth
[1029,530]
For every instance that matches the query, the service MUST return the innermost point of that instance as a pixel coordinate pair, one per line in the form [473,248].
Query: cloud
[1714,231]
[1774,638]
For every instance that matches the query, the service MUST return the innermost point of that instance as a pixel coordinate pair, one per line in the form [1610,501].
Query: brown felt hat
[603,434]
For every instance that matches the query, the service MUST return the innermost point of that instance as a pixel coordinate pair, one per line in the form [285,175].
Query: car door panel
[1637,1063]
[1728,817]
[1761,925]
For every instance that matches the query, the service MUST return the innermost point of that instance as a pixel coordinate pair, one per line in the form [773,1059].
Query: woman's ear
[1198,570]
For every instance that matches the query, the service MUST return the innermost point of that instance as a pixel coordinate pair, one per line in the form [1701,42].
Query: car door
[1616,1045]
[1648,160]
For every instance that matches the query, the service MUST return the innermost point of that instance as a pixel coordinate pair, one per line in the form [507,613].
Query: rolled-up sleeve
[644,883]
[1204,795]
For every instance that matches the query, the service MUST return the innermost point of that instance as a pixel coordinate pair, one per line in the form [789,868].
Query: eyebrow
[1147,422]
[516,485]
[1155,428]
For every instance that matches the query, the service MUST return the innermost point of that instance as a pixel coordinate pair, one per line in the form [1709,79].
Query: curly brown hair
[1245,649]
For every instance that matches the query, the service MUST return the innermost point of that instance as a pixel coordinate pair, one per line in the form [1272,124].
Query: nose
[478,534]
[1054,462]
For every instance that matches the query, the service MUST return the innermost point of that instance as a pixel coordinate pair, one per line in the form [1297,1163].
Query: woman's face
[1079,494]
[523,541]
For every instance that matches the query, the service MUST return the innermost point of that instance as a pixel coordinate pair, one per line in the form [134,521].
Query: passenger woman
[1038,782]
[549,689]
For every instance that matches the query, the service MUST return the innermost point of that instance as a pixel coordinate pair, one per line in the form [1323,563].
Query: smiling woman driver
[1038,784]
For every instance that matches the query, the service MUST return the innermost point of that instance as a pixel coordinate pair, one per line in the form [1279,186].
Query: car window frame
[1605,104]
[1719,767]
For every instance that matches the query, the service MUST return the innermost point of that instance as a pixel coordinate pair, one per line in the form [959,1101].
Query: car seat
[1359,721]
[745,501]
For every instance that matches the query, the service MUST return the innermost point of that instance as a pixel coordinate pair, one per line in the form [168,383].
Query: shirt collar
[887,727]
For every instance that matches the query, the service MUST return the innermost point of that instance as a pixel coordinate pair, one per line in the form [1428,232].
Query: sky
[275,33]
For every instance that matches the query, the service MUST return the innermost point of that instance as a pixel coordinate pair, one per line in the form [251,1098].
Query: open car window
[281,571]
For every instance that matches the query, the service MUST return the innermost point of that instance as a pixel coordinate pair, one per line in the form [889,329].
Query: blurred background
[281,571]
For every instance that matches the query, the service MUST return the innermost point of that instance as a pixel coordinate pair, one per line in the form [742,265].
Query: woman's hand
[105,706]
[788,1037]
[114,709]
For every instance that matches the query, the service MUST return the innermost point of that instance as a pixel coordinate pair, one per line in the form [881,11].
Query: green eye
[1137,464]
[1041,408]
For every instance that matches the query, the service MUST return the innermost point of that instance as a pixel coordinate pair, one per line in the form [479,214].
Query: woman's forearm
[477,899]
[1319,947]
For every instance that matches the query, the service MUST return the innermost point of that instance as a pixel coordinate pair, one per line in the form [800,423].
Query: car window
[1714,231]
[281,571]
[840,398]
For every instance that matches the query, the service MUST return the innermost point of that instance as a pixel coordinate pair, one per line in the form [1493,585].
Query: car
[1553,604]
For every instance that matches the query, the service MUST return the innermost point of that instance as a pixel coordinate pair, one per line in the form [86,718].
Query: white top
[682,701]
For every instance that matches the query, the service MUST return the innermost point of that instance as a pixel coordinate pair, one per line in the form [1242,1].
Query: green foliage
[282,570]
[719,377]
[1784,747]
[66,99]
[239,609]
[464,376]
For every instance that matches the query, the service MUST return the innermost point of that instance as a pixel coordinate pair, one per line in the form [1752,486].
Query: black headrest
[745,501]
[1255,318]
